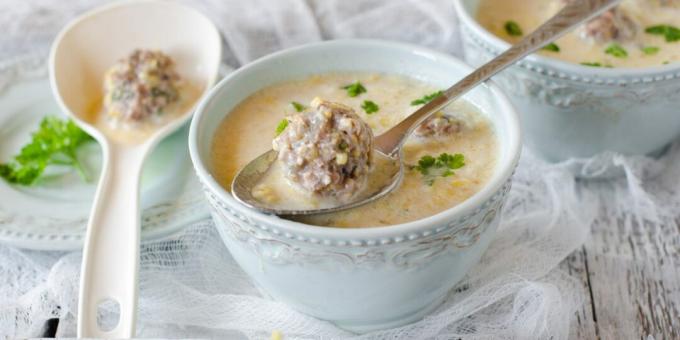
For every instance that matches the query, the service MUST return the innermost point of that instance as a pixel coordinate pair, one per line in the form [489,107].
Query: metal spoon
[388,145]
[80,56]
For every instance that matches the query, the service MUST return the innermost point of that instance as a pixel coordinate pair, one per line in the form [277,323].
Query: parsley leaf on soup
[298,107]
[512,28]
[54,143]
[669,32]
[426,98]
[354,89]
[370,107]
[283,124]
[552,47]
[441,166]
[650,50]
[616,50]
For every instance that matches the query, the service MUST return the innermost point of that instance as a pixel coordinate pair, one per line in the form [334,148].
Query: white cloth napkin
[190,286]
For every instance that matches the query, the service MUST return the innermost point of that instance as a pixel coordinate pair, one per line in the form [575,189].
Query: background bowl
[360,279]
[569,110]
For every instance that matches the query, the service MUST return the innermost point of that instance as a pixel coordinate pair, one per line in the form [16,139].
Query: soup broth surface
[249,129]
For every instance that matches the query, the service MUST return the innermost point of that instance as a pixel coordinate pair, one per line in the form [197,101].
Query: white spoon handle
[111,254]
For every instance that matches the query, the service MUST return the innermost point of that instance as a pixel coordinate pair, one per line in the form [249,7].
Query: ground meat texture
[326,150]
[612,25]
[669,3]
[438,125]
[140,86]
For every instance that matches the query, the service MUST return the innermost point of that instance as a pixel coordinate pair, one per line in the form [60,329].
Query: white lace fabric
[191,287]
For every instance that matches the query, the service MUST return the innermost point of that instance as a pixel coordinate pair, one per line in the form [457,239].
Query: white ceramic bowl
[360,279]
[570,110]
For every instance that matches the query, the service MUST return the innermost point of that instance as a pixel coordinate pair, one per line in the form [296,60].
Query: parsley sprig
[54,143]
[426,98]
[354,89]
[616,50]
[283,124]
[512,28]
[670,33]
[552,47]
[370,107]
[596,64]
[650,50]
[298,107]
[441,166]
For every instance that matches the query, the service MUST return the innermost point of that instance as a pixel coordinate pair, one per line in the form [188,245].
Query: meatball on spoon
[310,154]
[80,57]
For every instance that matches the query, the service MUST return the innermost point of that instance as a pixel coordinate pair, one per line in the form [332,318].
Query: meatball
[669,3]
[614,24]
[326,150]
[140,86]
[438,125]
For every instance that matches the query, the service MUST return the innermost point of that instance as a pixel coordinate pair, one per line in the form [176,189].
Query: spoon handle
[573,14]
[111,253]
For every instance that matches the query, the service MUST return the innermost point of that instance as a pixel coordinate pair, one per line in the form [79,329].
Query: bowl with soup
[611,84]
[386,263]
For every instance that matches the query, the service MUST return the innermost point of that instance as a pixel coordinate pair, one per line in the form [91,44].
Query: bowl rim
[289,228]
[540,60]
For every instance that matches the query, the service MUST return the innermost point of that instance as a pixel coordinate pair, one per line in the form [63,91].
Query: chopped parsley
[298,107]
[595,64]
[283,124]
[355,89]
[616,50]
[426,98]
[670,33]
[54,143]
[512,28]
[552,47]
[443,165]
[650,50]
[370,107]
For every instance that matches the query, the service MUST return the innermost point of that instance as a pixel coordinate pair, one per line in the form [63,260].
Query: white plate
[53,214]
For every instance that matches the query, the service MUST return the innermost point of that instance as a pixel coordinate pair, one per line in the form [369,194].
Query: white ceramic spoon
[80,56]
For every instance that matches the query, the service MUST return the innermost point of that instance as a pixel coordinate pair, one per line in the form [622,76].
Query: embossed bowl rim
[563,69]
[506,118]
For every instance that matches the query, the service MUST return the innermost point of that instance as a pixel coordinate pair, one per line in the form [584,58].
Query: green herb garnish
[512,28]
[298,107]
[426,98]
[370,107]
[670,33]
[431,167]
[650,50]
[283,124]
[552,47]
[596,64]
[355,89]
[54,143]
[616,50]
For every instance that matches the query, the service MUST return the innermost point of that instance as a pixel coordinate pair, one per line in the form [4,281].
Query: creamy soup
[636,33]
[430,185]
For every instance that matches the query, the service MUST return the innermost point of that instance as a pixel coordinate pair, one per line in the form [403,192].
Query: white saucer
[53,214]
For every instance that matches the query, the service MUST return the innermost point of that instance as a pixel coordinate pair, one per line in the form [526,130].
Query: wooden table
[632,280]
